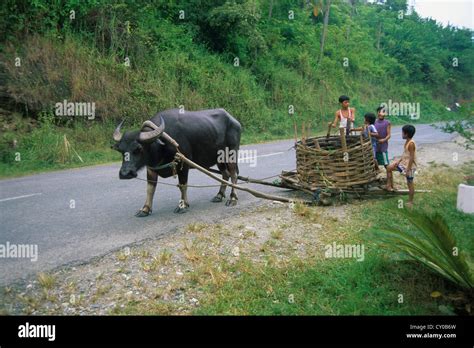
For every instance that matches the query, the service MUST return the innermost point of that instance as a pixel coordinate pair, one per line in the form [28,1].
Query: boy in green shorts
[383,127]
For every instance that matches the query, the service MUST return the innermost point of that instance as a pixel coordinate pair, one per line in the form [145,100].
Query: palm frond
[431,243]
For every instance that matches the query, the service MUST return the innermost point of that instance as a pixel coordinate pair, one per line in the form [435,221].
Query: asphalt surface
[36,209]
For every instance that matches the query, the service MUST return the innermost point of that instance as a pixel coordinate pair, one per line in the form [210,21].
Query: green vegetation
[135,58]
[346,286]
[463,127]
[334,288]
[433,244]
[45,146]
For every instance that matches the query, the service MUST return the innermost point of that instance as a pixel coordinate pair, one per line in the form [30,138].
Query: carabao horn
[155,133]
[117,134]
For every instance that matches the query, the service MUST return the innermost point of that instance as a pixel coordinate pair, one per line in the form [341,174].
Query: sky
[459,13]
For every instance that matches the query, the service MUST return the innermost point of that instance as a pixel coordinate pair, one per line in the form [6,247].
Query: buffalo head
[132,145]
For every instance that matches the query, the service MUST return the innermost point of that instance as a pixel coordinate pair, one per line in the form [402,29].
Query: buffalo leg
[233,170]
[225,175]
[183,204]
[152,178]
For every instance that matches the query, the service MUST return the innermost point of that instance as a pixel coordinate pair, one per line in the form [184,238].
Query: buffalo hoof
[217,199]
[231,202]
[142,213]
[182,207]
[180,210]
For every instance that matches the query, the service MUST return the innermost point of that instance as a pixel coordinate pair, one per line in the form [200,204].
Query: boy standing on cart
[345,115]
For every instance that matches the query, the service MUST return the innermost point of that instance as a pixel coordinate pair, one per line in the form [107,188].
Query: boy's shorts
[382,158]
[411,174]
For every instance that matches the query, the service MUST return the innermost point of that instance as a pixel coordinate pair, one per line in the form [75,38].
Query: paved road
[36,209]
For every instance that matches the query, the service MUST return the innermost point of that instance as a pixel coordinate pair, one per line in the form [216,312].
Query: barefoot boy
[345,115]
[383,127]
[406,164]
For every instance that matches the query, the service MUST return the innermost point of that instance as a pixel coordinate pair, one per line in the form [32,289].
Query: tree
[325,29]
[397,5]
[353,4]
[270,9]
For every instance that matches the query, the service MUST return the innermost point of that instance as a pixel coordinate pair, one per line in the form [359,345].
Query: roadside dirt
[448,153]
[173,270]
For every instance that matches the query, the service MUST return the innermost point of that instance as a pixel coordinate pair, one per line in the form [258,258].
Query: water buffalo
[202,137]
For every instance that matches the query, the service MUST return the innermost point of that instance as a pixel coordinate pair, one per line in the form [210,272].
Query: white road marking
[18,197]
[244,159]
[271,154]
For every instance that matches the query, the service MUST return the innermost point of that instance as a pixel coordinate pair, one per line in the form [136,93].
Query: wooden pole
[383,192]
[247,179]
[303,136]
[257,194]
[329,130]
[294,126]
[342,132]
[316,143]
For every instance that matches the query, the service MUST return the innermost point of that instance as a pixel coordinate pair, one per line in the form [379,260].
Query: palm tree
[432,244]
[325,29]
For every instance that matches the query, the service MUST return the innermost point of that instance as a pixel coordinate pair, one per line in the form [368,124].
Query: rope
[203,186]
[167,165]
[177,185]
[268,177]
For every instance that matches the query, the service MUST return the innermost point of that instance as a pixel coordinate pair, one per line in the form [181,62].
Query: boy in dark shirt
[383,127]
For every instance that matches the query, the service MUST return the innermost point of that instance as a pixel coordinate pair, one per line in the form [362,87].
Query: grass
[164,257]
[196,227]
[152,308]
[192,251]
[46,281]
[48,146]
[334,288]
[123,255]
[377,286]
[276,234]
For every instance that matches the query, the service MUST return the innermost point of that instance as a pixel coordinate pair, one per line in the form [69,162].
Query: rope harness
[173,163]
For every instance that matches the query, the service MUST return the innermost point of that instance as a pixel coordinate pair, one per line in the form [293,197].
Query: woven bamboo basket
[343,163]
